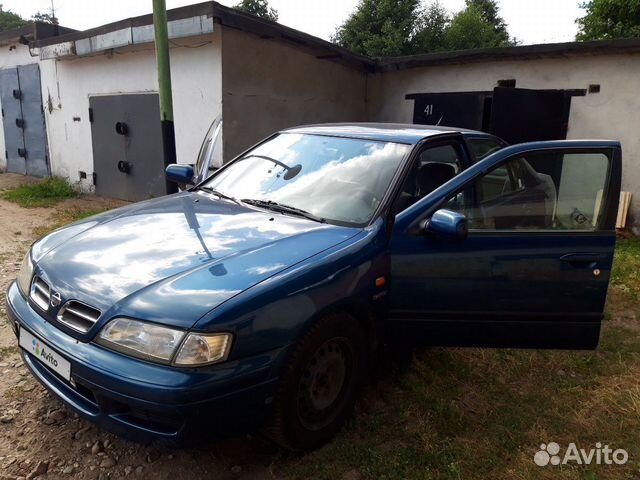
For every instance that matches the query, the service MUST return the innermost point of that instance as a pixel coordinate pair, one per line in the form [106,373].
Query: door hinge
[3,112]
[95,178]
[90,115]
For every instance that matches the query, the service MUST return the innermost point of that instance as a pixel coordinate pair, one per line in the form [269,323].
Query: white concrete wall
[269,85]
[12,54]
[612,113]
[67,85]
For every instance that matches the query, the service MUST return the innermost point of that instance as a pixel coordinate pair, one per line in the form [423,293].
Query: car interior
[435,166]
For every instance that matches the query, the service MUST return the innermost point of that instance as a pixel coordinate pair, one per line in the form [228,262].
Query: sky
[530,21]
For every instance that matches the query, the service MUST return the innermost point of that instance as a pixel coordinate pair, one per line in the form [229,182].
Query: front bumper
[146,402]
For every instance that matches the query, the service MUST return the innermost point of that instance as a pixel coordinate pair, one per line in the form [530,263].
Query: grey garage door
[128,160]
[23,120]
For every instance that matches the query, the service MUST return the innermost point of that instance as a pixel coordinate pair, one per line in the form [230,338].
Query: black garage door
[128,160]
[515,114]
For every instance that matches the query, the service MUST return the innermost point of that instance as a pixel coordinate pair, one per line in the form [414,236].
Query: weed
[46,193]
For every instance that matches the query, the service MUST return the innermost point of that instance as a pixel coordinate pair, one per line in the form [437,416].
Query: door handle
[581,259]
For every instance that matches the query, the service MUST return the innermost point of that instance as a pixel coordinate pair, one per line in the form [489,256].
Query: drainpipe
[164,86]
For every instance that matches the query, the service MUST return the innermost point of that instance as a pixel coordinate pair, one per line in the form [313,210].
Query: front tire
[320,384]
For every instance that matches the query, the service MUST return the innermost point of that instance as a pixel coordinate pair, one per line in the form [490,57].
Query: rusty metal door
[23,120]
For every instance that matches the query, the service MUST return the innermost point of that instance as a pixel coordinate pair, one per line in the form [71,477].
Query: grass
[63,217]
[481,413]
[626,274]
[452,414]
[46,193]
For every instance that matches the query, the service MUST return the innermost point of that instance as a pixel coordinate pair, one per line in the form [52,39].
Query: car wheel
[320,385]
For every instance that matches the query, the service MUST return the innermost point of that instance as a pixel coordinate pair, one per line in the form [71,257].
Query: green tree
[259,8]
[380,27]
[45,18]
[403,27]
[478,25]
[10,20]
[431,29]
[609,19]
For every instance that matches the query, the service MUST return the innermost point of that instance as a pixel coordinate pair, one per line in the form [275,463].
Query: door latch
[124,167]
[122,128]
[17,94]
[22,152]
[20,122]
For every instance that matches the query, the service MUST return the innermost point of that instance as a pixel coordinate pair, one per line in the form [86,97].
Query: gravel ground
[40,438]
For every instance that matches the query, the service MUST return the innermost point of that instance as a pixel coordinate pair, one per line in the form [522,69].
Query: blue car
[258,297]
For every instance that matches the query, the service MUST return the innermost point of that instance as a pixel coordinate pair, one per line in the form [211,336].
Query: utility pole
[164,86]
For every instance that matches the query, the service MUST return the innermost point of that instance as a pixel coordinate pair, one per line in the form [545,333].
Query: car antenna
[438,124]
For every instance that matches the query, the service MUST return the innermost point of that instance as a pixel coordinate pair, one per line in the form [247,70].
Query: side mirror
[180,173]
[446,223]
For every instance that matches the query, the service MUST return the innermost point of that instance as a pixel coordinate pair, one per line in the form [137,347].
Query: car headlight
[140,339]
[199,349]
[25,274]
[159,344]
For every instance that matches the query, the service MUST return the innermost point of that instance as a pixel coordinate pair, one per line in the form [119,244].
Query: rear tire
[320,384]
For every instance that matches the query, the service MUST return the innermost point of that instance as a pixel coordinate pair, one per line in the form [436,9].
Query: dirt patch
[12,180]
[39,437]
[432,413]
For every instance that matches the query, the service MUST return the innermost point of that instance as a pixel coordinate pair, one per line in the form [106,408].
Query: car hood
[173,259]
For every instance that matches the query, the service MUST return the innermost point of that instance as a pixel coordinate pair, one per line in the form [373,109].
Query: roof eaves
[524,52]
[226,16]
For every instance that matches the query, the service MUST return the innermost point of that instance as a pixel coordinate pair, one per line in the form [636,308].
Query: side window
[483,146]
[433,167]
[543,191]
[503,180]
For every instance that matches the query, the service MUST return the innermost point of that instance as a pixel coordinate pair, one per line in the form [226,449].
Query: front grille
[79,316]
[40,293]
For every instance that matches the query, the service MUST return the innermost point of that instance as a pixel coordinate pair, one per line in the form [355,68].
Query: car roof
[385,132]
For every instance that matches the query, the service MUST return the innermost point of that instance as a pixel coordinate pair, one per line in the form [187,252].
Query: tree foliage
[405,27]
[45,18]
[609,19]
[259,8]
[478,26]
[380,27]
[10,20]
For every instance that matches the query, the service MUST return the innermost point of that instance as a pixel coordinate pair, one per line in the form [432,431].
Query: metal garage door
[128,159]
[23,120]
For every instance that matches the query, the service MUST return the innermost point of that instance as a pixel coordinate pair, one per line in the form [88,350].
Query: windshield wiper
[220,194]
[280,207]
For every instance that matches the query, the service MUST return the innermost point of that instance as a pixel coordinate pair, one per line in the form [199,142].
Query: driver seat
[431,176]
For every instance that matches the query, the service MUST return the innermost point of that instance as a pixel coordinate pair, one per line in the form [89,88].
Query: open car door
[534,268]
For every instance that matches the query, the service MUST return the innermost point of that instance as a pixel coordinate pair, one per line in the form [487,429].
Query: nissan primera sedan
[258,297]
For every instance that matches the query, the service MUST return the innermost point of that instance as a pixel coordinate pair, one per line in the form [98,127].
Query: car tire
[320,384]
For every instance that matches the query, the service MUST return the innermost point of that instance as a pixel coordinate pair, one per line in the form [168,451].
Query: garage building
[262,76]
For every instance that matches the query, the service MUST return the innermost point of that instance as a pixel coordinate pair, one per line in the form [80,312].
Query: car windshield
[341,180]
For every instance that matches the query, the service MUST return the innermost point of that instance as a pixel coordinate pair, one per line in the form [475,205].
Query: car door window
[547,190]
[483,146]
[433,167]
